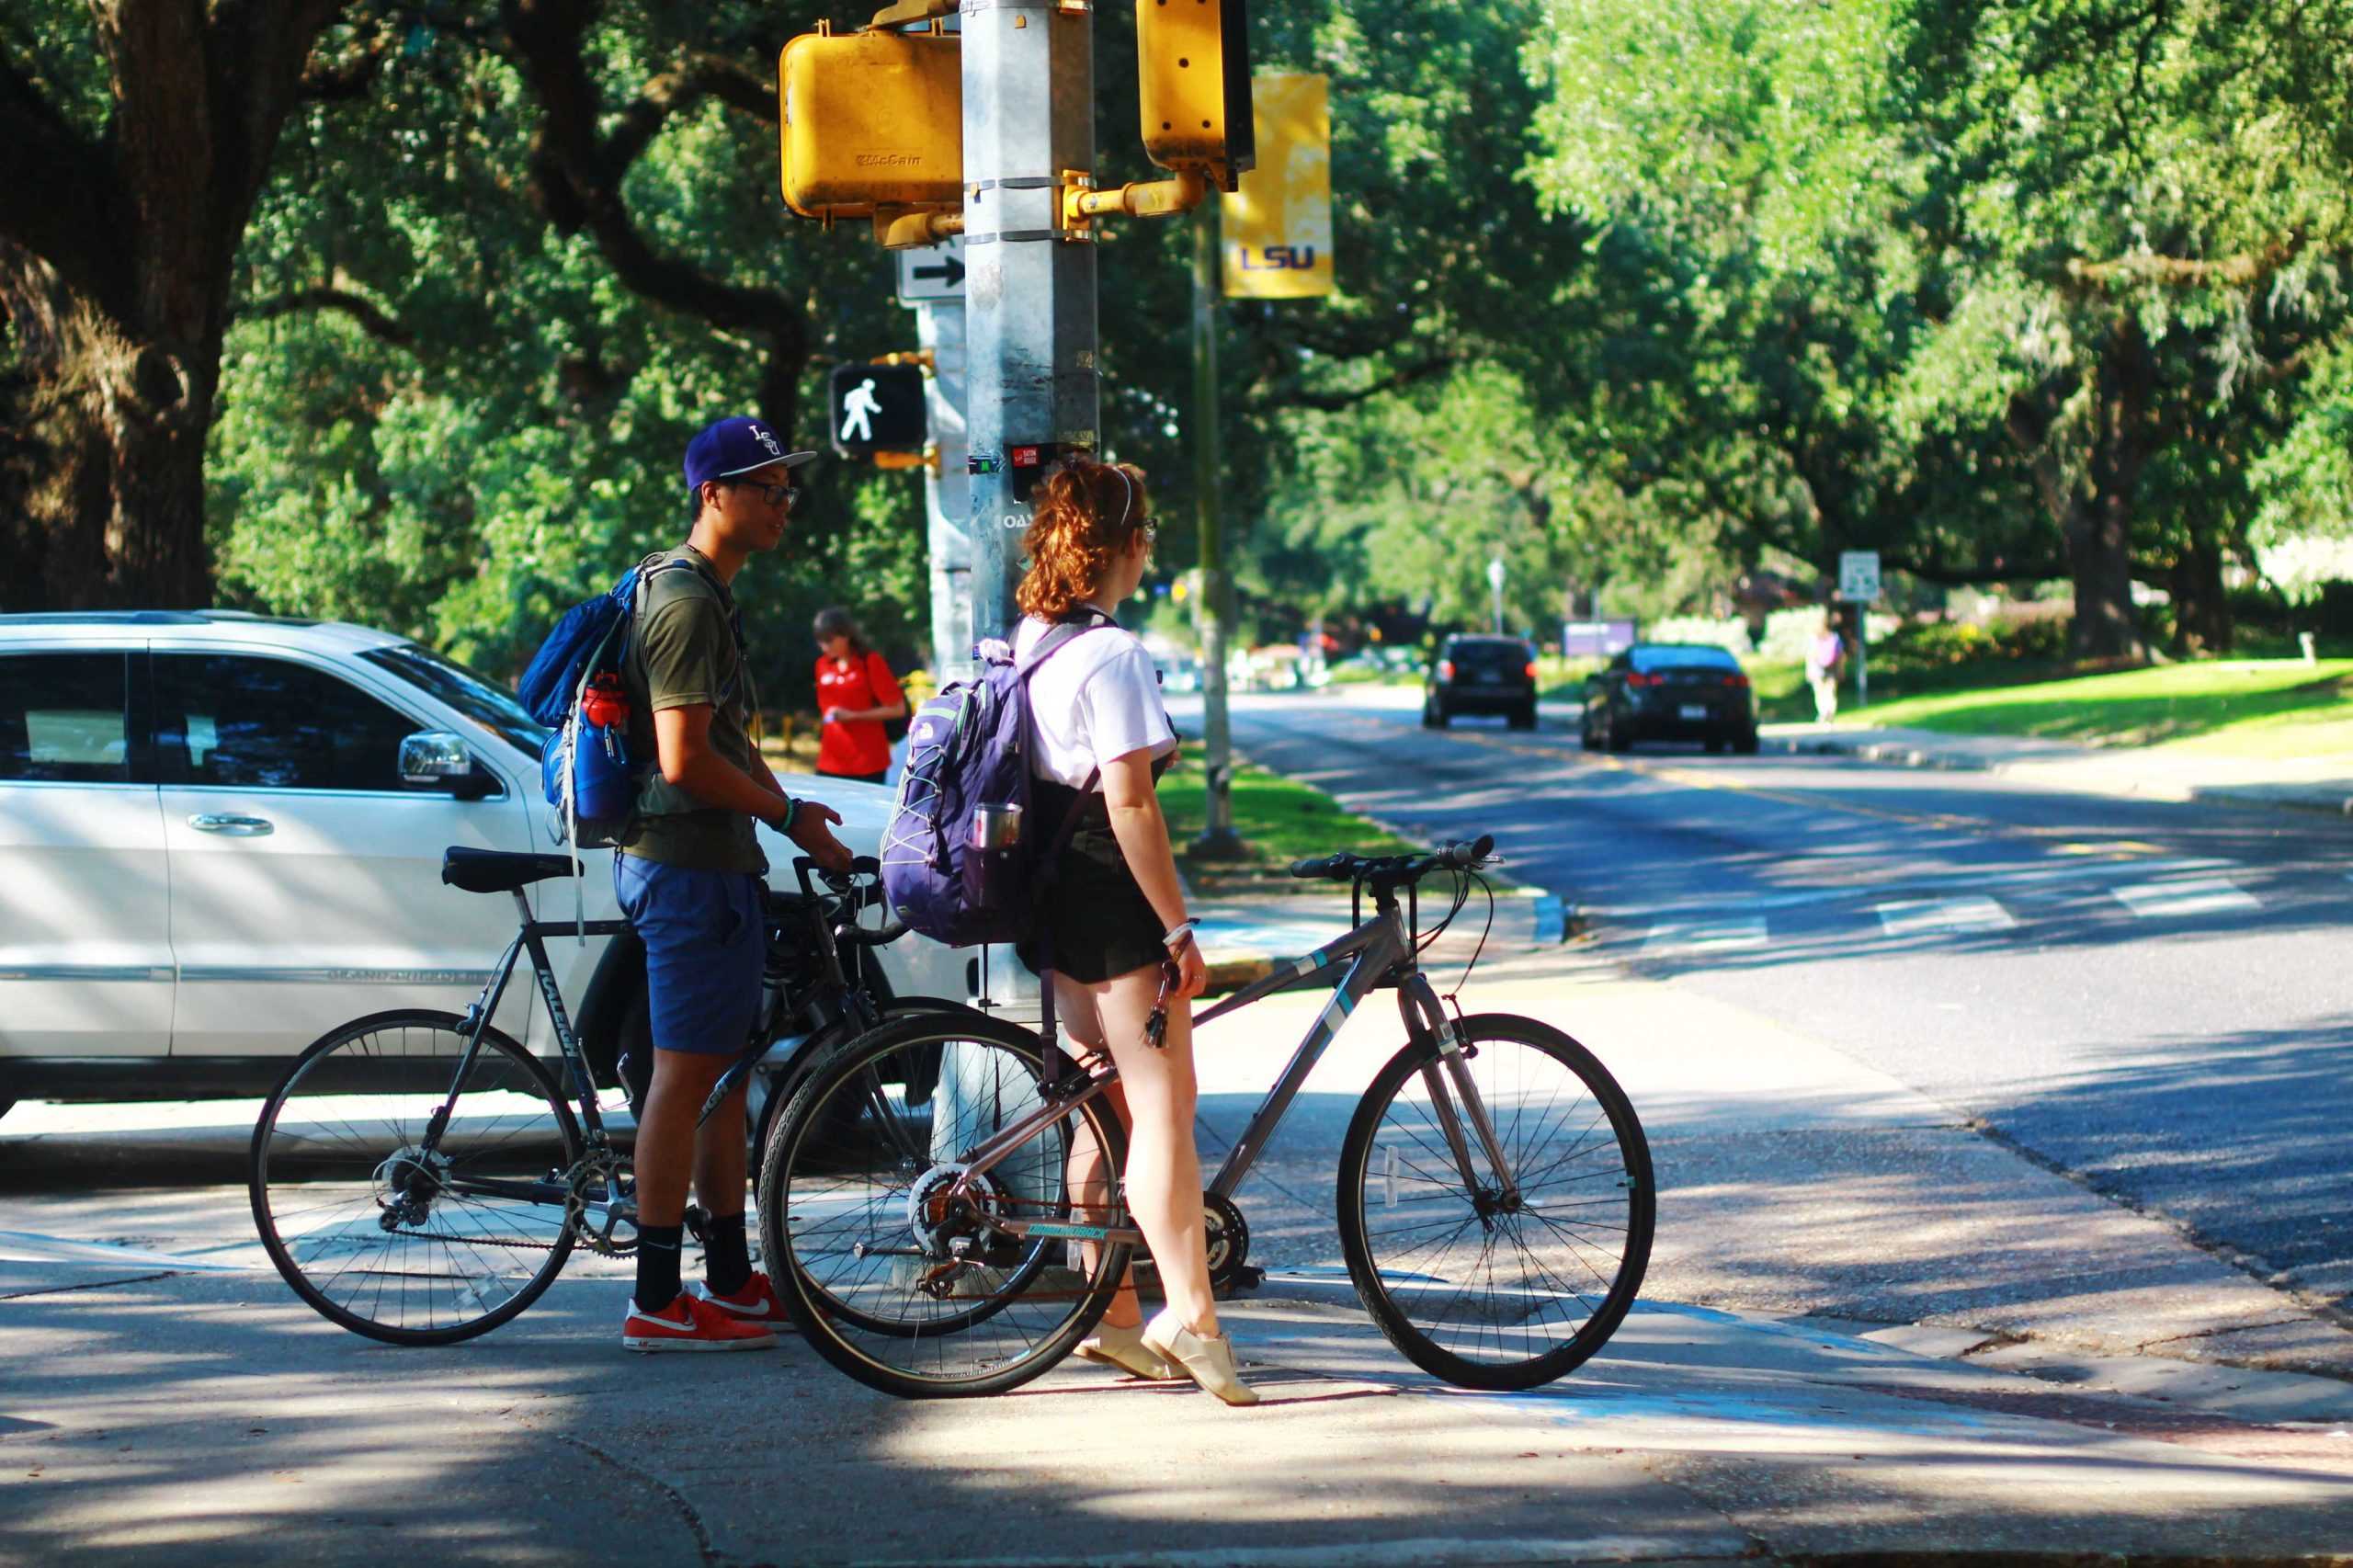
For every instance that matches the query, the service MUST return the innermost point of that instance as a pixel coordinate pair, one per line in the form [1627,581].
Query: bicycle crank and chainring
[605,1223]
[1229,1246]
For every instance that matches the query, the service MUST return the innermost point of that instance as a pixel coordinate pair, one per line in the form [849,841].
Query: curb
[1901,754]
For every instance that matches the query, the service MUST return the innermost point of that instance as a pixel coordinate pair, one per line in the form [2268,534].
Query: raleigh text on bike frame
[1380,952]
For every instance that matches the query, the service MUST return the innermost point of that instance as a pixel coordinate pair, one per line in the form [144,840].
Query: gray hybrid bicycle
[1496,1205]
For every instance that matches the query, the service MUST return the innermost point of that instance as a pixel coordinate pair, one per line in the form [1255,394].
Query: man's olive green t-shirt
[684,652]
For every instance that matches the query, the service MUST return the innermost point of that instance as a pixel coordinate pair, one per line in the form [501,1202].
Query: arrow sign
[932,272]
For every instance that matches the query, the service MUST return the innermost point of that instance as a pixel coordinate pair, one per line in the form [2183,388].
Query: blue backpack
[574,686]
[969,748]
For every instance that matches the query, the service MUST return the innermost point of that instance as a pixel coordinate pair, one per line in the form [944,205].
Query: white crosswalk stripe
[1729,932]
[2193,895]
[1908,917]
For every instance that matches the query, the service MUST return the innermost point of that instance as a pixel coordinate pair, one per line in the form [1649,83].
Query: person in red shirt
[855,693]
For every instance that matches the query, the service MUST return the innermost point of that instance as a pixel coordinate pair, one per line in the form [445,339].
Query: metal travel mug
[995,827]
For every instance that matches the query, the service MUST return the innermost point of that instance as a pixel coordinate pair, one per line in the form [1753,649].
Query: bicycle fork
[1448,1080]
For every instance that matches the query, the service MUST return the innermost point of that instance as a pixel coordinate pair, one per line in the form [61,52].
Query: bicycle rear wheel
[897,1273]
[387,1238]
[1484,1288]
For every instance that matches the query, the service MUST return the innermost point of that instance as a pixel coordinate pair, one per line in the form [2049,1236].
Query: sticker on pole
[1858,575]
[932,272]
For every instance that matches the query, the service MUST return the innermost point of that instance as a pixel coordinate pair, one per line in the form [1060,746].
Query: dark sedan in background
[1670,692]
[1481,674]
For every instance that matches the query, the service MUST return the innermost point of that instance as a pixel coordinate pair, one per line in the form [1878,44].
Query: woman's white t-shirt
[1095,698]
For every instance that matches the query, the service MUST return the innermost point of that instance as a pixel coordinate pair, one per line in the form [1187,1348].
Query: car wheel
[1525,718]
[1746,744]
[1438,717]
[1620,740]
[1429,715]
[1715,745]
[1586,736]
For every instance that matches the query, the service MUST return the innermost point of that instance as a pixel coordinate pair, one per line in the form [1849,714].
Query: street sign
[879,409]
[932,272]
[1858,575]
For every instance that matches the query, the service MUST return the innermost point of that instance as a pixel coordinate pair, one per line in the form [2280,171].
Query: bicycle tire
[328,1149]
[896,1307]
[1421,1295]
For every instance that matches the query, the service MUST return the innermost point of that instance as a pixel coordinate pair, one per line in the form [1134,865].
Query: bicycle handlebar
[845,886]
[1461,856]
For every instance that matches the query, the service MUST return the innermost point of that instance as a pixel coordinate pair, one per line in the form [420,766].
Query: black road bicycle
[420,1177]
[1495,1206]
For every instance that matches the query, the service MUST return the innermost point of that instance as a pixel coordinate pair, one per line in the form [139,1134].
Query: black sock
[657,1265]
[727,1257]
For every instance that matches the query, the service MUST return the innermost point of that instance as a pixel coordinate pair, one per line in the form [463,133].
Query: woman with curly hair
[1113,925]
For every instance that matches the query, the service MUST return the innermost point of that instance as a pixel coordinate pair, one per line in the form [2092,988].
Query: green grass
[2224,707]
[1278,819]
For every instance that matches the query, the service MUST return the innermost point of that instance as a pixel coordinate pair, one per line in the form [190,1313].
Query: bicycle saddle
[494,871]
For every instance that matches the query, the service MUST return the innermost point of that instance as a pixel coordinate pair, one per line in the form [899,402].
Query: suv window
[1700,658]
[493,707]
[62,718]
[1487,652]
[239,721]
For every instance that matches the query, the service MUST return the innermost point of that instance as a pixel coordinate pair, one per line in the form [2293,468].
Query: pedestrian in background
[1112,925]
[857,695]
[1825,654]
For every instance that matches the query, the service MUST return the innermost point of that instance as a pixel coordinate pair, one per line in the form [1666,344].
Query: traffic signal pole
[1029,82]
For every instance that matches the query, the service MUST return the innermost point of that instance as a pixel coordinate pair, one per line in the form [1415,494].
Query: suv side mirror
[440,757]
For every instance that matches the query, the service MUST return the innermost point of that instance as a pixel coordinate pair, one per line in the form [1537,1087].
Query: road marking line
[2201,895]
[1906,917]
[1725,934]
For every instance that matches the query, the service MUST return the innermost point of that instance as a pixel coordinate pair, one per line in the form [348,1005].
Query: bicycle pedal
[1249,1276]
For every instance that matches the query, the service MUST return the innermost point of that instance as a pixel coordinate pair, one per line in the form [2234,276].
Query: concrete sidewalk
[202,1420]
[2320,783]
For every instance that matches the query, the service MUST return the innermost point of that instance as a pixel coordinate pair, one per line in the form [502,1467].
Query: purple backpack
[968,760]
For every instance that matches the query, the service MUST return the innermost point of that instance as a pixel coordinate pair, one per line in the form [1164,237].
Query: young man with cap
[690,877]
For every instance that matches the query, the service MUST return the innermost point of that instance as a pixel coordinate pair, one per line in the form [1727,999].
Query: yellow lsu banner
[1278,225]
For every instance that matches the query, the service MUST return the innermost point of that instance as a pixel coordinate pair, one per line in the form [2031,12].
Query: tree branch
[370,317]
[577,177]
[2172,271]
[675,92]
[1333,401]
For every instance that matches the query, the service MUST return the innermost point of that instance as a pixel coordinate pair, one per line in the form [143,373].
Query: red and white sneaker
[755,1302]
[690,1322]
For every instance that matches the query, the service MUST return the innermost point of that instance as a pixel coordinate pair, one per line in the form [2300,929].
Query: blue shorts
[705,944]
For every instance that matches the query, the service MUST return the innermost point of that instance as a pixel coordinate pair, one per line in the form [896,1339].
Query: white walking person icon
[858,411]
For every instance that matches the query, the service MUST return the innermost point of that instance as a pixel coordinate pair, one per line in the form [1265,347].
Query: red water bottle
[605,704]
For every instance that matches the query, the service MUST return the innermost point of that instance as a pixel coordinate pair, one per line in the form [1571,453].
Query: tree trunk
[117,252]
[2200,605]
[2100,525]
[102,488]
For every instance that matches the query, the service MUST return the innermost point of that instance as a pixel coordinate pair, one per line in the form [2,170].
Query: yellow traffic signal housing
[872,124]
[1193,69]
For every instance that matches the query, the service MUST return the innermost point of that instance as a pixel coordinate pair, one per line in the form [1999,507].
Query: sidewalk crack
[678,1499]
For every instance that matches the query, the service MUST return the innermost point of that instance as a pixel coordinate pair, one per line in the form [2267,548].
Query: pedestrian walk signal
[879,409]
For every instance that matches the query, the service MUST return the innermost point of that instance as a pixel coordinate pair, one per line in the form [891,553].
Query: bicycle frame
[530,936]
[1377,952]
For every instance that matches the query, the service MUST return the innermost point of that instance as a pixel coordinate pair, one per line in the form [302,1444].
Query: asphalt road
[2157,999]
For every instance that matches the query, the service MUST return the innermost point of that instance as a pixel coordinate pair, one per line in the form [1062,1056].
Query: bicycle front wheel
[1488,1279]
[884,1214]
[402,1239]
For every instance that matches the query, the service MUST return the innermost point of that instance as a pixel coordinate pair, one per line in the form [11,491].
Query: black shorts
[1093,922]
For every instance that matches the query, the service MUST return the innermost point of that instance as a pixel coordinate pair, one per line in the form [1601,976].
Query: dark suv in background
[1660,691]
[1481,674]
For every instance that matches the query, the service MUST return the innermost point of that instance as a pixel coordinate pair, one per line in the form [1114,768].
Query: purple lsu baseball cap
[725,447]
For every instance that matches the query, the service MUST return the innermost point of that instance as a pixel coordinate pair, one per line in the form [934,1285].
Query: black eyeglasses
[774,494]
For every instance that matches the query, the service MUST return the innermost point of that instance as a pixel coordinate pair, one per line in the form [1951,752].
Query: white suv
[209,856]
